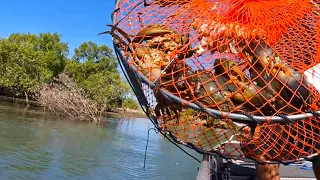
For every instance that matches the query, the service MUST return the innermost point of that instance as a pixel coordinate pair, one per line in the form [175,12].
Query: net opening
[225,77]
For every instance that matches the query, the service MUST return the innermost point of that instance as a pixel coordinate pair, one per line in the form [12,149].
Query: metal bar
[204,170]
[235,116]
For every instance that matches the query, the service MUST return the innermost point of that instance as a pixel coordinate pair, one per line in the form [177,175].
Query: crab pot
[234,78]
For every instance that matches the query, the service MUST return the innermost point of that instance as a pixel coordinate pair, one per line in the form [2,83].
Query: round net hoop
[221,77]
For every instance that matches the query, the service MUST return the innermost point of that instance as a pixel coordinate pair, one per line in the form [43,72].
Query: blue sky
[75,20]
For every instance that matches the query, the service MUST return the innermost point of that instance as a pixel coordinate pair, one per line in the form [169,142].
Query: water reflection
[43,147]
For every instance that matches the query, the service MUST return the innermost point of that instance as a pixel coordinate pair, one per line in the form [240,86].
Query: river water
[37,146]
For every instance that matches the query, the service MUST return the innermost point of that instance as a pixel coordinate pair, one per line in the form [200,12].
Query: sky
[76,21]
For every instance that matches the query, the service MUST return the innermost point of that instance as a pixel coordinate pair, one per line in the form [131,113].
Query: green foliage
[94,69]
[130,103]
[90,59]
[28,60]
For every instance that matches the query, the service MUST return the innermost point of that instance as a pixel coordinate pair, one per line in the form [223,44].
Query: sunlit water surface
[34,146]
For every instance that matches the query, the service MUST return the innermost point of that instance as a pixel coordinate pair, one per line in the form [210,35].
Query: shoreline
[33,105]
[120,112]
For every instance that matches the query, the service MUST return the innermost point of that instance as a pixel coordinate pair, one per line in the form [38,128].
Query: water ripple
[34,148]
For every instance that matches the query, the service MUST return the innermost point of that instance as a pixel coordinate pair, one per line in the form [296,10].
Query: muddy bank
[35,108]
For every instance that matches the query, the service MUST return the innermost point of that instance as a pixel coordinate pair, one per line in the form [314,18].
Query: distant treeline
[29,61]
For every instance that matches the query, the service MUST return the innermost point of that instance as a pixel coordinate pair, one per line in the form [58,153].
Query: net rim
[233,116]
[190,145]
[241,118]
[220,114]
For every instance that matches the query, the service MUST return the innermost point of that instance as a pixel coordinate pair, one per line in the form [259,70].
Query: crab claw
[151,32]
[124,34]
[228,68]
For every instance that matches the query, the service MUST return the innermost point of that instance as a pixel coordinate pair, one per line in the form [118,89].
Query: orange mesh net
[234,56]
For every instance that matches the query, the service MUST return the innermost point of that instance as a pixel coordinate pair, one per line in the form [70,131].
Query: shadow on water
[35,145]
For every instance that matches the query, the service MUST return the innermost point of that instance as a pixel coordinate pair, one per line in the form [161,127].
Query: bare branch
[64,97]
